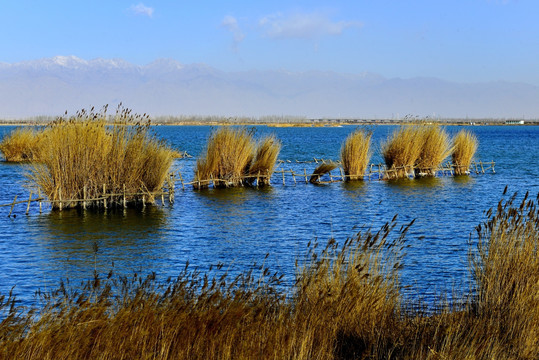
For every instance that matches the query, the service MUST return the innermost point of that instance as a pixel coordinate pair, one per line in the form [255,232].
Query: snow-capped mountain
[50,86]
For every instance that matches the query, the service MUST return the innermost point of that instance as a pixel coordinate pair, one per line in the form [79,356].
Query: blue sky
[464,41]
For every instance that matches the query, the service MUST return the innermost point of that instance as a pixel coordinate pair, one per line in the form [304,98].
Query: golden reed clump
[401,151]
[232,158]
[84,155]
[464,147]
[21,145]
[506,273]
[265,158]
[436,147]
[416,150]
[355,155]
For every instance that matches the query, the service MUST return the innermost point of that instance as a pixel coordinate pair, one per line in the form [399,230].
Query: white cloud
[303,25]
[141,9]
[231,24]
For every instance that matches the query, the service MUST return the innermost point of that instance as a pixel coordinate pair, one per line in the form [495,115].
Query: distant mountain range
[51,86]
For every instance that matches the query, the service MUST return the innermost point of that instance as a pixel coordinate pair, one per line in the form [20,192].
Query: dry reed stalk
[320,170]
[83,151]
[464,147]
[355,155]
[435,149]
[401,150]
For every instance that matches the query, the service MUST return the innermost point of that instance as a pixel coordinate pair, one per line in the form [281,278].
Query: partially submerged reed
[264,161]
[416,150]
[401,151]
[436,147]
[355,155]
[233,158]
[21,145]
[320,170]
[344,304]
[464,147]
[83,157]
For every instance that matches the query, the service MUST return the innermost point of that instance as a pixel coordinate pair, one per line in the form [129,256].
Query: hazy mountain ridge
[166,87]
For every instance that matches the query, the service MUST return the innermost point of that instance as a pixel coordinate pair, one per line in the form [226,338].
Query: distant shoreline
[311,123]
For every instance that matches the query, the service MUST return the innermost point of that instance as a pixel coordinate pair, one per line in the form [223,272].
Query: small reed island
[93,160]
[233,158]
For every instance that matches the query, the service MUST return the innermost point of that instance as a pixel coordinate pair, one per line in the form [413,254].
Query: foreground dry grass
[345,304]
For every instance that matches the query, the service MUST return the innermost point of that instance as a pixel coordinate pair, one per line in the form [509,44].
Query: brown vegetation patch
[83,157]
[355,155]
[233,158]
[464,147]
[21,145]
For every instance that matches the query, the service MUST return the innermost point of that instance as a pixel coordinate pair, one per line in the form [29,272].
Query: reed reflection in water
[128,239]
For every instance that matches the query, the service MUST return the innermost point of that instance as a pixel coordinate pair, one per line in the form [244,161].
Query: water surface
[238,227]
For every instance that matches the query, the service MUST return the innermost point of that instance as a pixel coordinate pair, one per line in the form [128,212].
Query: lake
[238,227]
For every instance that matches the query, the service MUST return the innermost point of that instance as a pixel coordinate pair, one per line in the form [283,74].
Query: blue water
[238,227]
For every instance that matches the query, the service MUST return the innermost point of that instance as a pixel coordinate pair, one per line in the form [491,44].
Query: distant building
[514,122]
